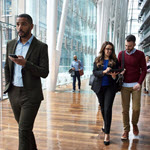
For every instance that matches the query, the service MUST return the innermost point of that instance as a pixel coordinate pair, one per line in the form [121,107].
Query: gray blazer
[98,73]
[37,66]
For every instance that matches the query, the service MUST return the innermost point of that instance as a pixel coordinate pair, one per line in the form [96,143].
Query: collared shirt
[148,66]
[134,83]
[133,51]
[77,65]
[21,50]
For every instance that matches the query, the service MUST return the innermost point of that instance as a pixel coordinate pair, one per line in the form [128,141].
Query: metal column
[55,50]
[99,19]
[51,41]
[1,71]
[115,21]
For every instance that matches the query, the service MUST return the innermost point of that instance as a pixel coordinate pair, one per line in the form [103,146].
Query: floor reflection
[98,117]
[131,144]
[75,106]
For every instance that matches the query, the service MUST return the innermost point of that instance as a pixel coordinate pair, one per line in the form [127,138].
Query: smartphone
[13,55]
[115,70]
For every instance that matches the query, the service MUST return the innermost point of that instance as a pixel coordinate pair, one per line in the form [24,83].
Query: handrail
[7,24]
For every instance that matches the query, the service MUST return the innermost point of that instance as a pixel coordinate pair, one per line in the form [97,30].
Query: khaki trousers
[126,93]
[148,81]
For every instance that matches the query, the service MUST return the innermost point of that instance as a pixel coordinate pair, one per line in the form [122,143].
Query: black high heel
[106,142]
[103,130]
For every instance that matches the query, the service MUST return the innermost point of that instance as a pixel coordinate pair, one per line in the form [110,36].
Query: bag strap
[123,53]
[79,64]
[120,76]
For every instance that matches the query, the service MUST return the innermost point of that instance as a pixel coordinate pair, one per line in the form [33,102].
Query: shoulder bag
[91,80]
[120,76]
[80,71]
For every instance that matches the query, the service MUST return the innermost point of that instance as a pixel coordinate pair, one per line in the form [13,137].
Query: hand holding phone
[20,60]
[13,56]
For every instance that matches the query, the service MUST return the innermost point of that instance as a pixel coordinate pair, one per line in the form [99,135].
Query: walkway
[72,121]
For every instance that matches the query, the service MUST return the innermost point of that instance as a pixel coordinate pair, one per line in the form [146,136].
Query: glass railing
[65,78]
[146,31]
[147,49]
[143,4]
[144,18]
[8,32]
[145,36]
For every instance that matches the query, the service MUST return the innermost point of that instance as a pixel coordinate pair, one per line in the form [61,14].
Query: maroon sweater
[135,66]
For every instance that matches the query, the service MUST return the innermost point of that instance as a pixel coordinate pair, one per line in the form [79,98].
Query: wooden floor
[72,121]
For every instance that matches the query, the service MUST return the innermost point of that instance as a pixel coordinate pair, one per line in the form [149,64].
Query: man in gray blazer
[22,76]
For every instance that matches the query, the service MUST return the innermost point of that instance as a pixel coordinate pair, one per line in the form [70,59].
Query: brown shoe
[125,135]
[146,92]
[135,130]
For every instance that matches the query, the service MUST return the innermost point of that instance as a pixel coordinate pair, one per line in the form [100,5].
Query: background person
[135,71]
[147,79]
[22,76]
[77,66]
[104,84]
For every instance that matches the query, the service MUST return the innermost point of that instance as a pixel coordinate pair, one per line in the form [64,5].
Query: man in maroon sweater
[134,74]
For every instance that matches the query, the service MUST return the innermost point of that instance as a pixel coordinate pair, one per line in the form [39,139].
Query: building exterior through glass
[144,30]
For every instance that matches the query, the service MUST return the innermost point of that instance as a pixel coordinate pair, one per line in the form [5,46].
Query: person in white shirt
[147,79]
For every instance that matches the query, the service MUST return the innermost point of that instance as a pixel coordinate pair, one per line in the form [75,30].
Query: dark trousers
[25,113]
[77,75]
[106,97]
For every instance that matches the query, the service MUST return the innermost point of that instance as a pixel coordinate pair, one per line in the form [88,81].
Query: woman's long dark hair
[112,58]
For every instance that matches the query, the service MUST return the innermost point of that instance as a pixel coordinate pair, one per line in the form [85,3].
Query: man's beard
[129,50]
[25,34]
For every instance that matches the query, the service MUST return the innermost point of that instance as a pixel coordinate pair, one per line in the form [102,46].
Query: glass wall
[7,7]
[133,24]
[38,10]
[79,37]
